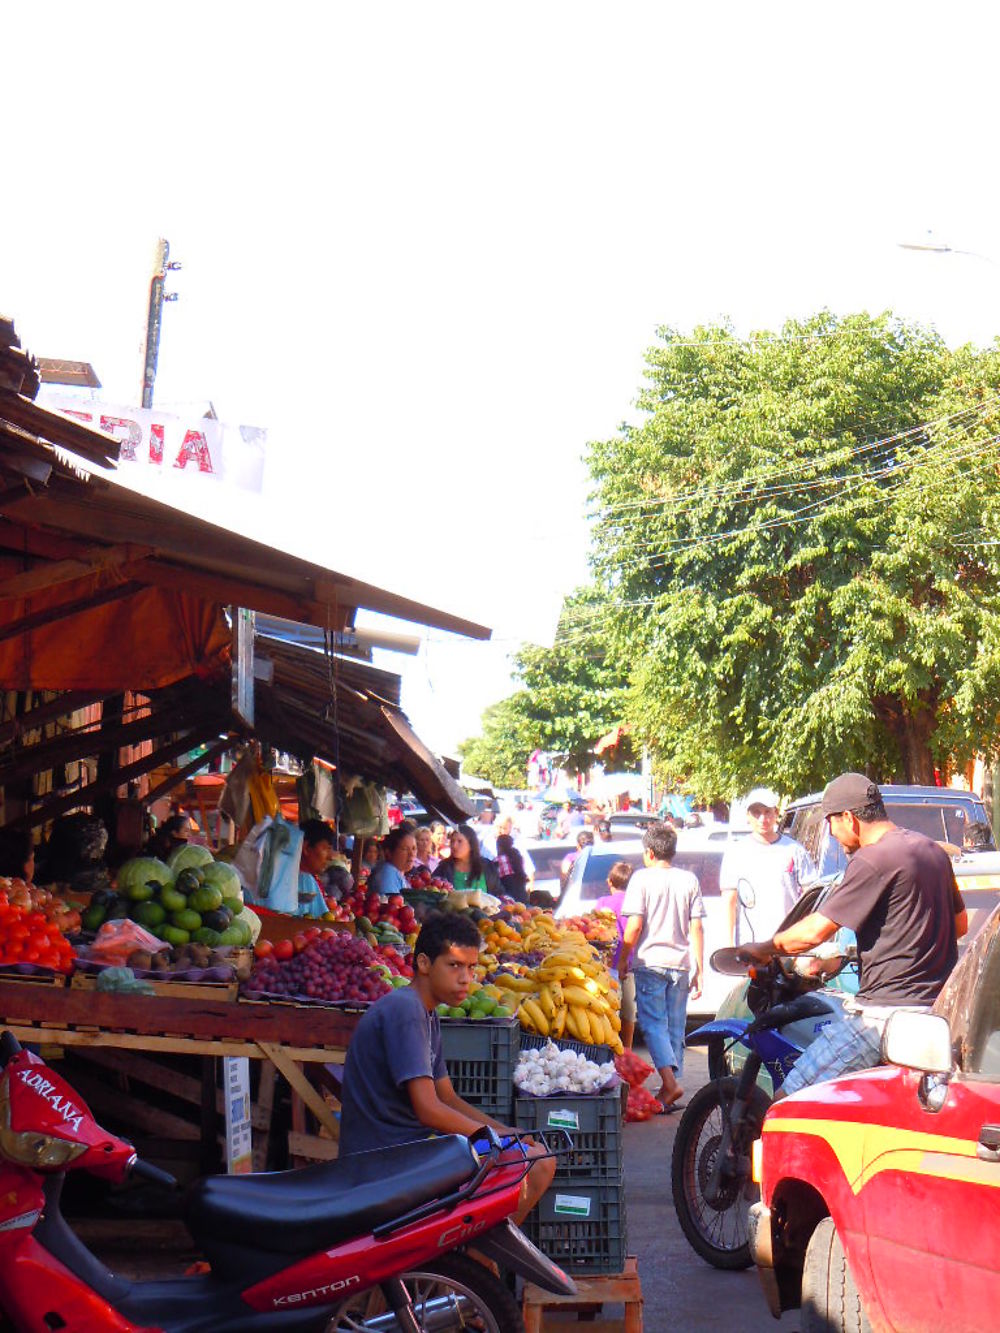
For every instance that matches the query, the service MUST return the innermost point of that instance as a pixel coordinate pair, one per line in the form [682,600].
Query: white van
[698,852]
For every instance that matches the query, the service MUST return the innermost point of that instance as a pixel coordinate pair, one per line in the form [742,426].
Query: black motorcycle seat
[313,1207]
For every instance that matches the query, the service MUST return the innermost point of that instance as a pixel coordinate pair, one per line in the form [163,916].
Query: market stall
[129,663]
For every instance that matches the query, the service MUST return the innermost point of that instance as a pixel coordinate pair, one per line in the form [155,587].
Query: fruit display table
[127,1033]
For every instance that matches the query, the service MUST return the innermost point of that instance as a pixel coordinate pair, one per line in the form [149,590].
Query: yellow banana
[582,1022]
[524,985]
[559,1022]
[615,1020]
[535,1015]
[572,1026]
[546,1002]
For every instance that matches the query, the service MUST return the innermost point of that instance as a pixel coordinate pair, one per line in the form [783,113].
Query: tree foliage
[792,540]
[571,694]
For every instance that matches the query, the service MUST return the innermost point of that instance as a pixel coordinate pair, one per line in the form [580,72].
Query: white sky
[427,244]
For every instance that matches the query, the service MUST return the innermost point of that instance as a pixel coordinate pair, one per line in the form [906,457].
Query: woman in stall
[400,849]
[425,848]
[466,867]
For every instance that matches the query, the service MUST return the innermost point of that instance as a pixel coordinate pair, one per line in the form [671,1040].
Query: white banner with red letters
[200,448]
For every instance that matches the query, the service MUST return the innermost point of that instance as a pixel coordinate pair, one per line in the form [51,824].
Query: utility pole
[162,265]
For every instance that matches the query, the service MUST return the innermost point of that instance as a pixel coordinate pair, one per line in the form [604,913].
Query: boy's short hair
[660,840]
[443,929]
[619,875]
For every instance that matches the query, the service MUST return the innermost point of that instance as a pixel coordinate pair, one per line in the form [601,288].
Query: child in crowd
[618,878]
[510,867]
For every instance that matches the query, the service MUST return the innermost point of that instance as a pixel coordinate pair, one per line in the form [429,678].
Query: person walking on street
[900,897]
[664,913]
[614,901]
[764,874]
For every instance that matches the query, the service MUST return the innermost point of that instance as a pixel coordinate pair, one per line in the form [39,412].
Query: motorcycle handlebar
[9,1047]
[152,1173]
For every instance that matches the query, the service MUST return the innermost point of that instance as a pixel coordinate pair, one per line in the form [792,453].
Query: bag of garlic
[552,1072]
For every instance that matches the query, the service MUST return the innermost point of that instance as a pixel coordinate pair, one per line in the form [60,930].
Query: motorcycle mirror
[745,893]
[732,962]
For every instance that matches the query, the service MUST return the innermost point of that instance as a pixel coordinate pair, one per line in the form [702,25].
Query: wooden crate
[50,979]
[592,1293]
[178,990]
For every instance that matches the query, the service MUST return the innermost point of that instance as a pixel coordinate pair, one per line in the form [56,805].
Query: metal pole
[162,264]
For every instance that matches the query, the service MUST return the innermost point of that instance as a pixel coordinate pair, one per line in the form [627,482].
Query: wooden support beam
[182,774]
[168,717]
[66,610]
[163,1078]
[55,572]
[298,1082]
[85,795]
[69,702]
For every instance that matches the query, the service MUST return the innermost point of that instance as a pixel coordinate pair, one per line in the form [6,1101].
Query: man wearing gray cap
[900,898]
[770,868]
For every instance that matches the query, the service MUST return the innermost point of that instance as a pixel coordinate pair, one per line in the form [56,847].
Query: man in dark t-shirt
[900,898]
[396,1086]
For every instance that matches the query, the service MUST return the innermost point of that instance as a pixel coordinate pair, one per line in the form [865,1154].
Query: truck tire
[831,1302]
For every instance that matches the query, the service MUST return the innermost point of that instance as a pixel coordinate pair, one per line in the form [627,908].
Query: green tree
[793,542]
[501,751]
[571,695]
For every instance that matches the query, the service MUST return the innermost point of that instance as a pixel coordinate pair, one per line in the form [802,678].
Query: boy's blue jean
[661,1005]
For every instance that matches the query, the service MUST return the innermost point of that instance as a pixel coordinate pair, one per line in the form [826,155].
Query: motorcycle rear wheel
[481,1301]
[717,1231]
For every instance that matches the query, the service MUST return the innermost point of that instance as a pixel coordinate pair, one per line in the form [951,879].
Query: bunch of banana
[572,995]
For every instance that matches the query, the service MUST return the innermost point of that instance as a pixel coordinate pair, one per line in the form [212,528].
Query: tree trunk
[912,726]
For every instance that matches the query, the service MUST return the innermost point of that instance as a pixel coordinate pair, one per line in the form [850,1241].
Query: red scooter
[373,1242]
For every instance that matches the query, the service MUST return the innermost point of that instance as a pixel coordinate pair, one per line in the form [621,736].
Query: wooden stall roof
[356,724]
[66,525]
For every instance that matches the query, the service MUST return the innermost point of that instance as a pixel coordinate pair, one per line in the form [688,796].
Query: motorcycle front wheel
[716,1226]
[454,1293]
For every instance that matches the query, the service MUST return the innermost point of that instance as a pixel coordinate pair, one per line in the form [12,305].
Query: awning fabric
[146,640]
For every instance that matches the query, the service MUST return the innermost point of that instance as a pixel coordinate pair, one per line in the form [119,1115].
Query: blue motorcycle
[710,1169]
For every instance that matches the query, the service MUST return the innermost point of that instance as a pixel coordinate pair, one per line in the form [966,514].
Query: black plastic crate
[581,1227]
[593,1122]
[599,1054]
[481,1056]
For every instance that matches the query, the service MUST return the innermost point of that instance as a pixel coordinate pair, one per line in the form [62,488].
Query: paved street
[681,1291]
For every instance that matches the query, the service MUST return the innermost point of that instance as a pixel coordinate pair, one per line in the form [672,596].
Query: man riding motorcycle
[900,897]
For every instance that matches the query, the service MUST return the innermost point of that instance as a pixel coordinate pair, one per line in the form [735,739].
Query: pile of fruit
[482,1002]
[332,967]
[54,909]
[570,993]
[420,879]
[190,898]
[382,921]
[27,936]
[599,927]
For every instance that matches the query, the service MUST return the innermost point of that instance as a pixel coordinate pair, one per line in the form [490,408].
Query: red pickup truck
[880,1191]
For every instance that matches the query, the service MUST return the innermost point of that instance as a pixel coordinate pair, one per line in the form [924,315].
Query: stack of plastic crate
[481,1055]
[580,1221]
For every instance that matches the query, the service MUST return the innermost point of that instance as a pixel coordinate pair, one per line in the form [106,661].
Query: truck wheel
[830,1299]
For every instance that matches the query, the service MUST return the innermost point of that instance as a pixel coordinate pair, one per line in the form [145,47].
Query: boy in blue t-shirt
[396,1086]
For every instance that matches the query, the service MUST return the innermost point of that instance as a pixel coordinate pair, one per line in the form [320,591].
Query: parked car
[880,1191]
[702,856]
[941,813]
[547,855]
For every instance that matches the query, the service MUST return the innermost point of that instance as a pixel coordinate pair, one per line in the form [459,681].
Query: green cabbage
[143,870]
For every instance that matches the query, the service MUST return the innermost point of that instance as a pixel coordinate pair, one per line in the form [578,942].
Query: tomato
[263,949]
[300,941]
[313,933]
[283,950]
